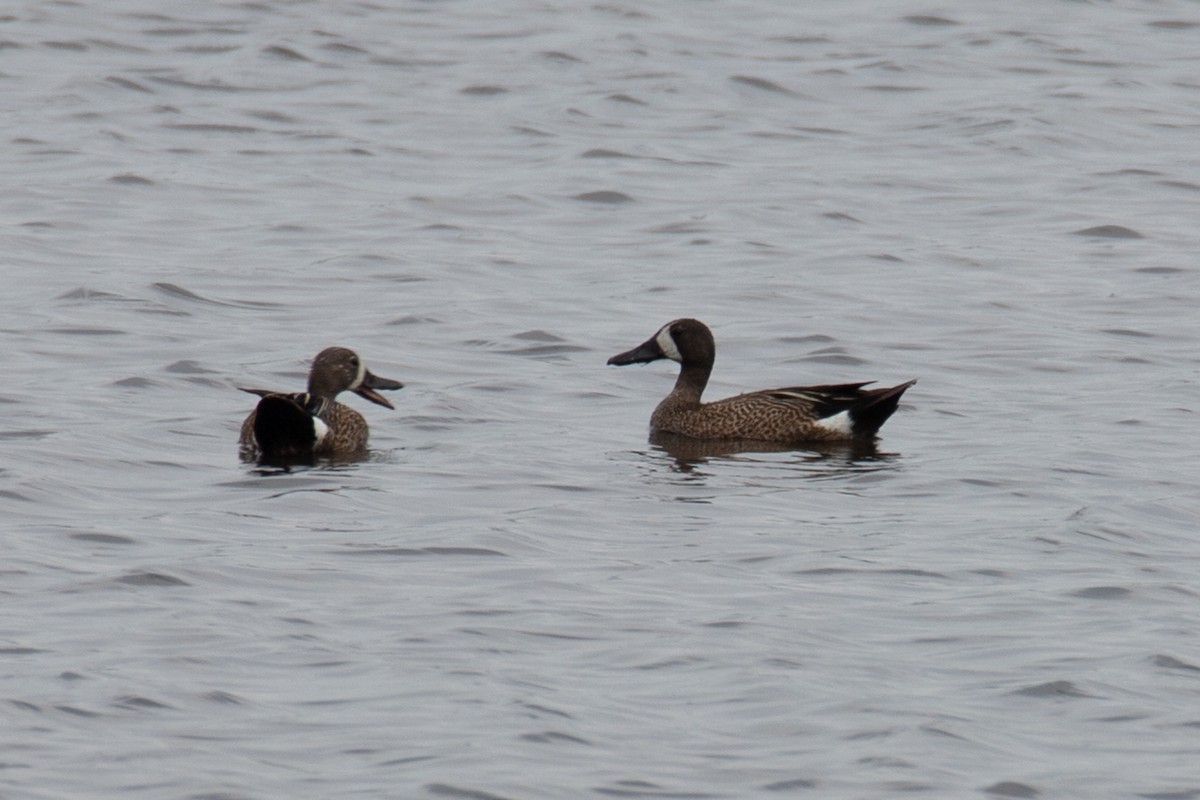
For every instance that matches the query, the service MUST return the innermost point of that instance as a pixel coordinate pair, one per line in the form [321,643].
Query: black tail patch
[873,408]
[284,431]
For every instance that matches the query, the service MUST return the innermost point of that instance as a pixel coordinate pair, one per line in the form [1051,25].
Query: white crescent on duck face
[666,343]
[794,414]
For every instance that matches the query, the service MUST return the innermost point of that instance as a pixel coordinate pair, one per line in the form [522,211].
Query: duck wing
[821,401]
[866,409]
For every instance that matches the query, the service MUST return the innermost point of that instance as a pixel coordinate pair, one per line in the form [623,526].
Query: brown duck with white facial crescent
[797,414]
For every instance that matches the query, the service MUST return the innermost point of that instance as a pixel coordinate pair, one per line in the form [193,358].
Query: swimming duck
[291,428]
[834,413]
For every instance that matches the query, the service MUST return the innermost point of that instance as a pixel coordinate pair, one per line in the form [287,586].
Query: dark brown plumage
[297,428]
[797,414]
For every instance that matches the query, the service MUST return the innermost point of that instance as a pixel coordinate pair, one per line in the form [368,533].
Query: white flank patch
[320,429]
[838,423]
[666,343]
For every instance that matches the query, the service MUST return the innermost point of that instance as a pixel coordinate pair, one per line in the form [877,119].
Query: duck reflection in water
[825,458]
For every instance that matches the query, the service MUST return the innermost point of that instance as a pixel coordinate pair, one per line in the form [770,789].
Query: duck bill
[372,382]
[644,353]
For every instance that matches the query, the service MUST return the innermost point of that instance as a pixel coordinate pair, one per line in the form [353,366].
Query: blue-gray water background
[519,596]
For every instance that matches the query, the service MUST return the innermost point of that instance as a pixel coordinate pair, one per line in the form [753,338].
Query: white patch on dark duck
[666,343]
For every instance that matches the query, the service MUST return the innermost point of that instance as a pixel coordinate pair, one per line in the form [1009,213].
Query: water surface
[520,595]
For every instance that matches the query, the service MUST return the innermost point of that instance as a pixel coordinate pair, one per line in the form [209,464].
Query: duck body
[292,428]
[792,415]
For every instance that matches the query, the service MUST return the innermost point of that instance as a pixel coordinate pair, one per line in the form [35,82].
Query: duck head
[688,341]
[339,369]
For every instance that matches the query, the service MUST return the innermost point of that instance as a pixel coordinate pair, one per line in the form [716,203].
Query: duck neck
[315,404]
[691,382]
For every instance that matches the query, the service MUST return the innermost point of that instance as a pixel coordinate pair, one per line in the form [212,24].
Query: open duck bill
[644,353]
[372,382]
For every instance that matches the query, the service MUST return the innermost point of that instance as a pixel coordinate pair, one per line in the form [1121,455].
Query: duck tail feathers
[868,414]
[283,429]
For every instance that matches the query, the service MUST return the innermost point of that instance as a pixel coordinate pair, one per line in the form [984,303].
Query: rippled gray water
[519,596]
